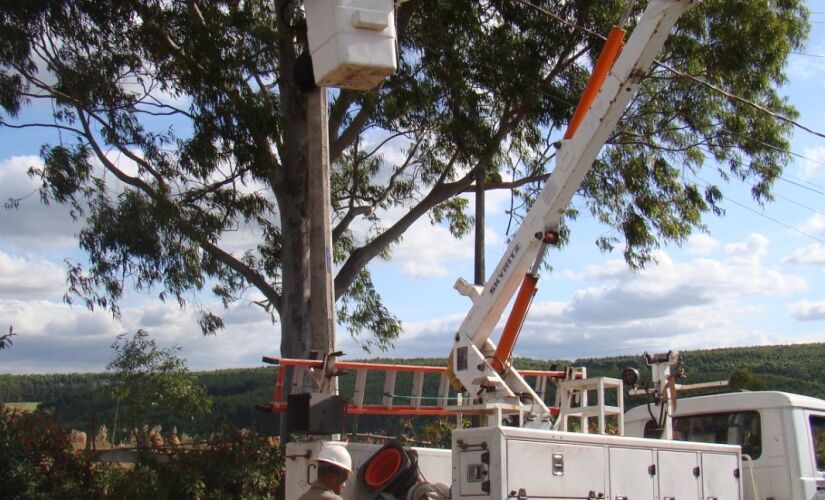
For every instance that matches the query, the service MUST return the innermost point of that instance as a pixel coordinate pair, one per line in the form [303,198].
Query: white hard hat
[336,455]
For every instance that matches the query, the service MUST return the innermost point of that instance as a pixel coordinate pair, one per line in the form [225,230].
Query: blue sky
[755,279]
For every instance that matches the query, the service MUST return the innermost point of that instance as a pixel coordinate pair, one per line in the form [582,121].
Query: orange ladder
[414,404]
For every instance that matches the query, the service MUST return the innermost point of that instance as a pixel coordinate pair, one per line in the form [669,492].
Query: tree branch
[185,226]
[361,256]
[513,184]
[40,125]
[347,219]
[352,132]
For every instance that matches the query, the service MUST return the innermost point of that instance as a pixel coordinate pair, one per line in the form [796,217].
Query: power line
[493,68]
[781,150]
[797,179]
[776,221]
[794,202]
[785,177]
[740,99]
[802,186]
[807,54]
[762,214]
[710,86]
[773,146]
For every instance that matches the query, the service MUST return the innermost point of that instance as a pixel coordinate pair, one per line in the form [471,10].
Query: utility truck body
[782,437]
[514,462]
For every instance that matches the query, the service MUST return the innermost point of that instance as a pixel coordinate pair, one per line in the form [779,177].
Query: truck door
[814,482]
[679,475]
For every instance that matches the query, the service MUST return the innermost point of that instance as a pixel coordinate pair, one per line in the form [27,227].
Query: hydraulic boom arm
[482,369]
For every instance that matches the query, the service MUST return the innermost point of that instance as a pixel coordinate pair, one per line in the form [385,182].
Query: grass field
[22,406]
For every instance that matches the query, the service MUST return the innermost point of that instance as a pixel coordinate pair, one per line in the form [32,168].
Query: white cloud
[814,165]
[495,201]
[248,334]
[429,338]
[699,303]
[815,225]
[426,249]
[32,225]
[30,278]
[754,247]
[55,337]
[813,254]
[701,244]
[808,311]
[611,269]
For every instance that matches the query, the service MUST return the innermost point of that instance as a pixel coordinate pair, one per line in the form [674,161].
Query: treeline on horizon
[75,399]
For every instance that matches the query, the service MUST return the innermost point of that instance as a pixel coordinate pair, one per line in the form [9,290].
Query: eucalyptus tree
[180,122]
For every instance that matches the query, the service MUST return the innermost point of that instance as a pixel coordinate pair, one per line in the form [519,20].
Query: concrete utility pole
[322,287]
[479,241]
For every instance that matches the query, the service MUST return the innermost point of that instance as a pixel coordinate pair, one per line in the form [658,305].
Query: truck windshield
[818,437]
[741,428]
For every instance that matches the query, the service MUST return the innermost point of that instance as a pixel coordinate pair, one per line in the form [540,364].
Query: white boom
[473,348]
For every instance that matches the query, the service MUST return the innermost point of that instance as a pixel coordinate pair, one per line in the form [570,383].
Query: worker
[334,468]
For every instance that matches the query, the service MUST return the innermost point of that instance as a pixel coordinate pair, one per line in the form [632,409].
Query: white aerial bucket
[352,42]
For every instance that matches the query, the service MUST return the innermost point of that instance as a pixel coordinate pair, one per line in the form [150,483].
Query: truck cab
[782,437]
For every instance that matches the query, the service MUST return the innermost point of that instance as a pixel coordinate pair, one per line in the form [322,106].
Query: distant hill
[793,368]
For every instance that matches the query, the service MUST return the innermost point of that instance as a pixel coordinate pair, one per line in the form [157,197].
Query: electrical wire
[681,74]
[773,146]
[785,174]
[802,186]
[784,177]
[705,183]
[492,68]
[807,54]
[794,202]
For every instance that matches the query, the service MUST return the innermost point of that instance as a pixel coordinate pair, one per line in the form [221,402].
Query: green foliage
[235,393]
[362,310]
[238,465]
[199,98]
[151,385]
[440,433]
[5,339]
[38,462]
[742,378]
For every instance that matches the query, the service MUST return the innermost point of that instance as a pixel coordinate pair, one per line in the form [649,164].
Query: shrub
[38,461]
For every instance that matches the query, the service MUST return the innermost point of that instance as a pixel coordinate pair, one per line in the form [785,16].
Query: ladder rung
[443,390]
[358,392]
[418,386]
[389,387]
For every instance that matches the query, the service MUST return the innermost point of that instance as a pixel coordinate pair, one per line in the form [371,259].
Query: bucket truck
[520,447]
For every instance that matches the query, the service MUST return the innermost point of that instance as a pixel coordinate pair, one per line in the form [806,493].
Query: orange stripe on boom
[514,322]
[610,52]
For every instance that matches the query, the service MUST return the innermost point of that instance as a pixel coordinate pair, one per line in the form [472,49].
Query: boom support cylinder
[514,322]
